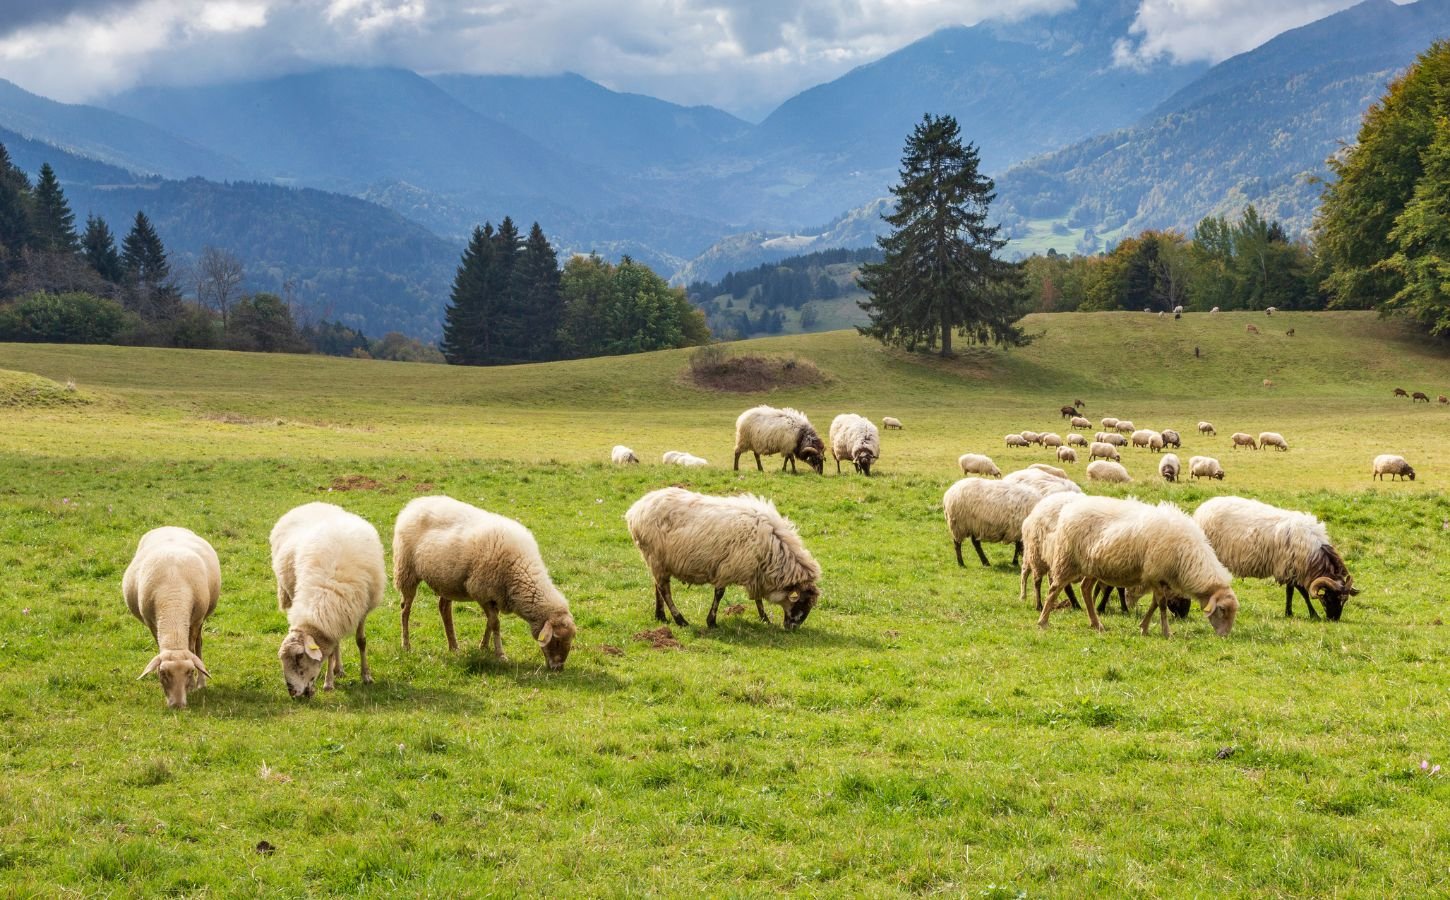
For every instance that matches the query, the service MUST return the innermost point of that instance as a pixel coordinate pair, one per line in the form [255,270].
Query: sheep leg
[660,601]
[362,652]
[1148,616]
[710,619]
[977,545]
[1123,599]
[737,459]
[408,591]
[1071,597]
[1163,617]
[198,679]
[838,464]
[493,626]
[1053,589]
[330,667]
[445,609]
[1289,600]
[760,608]
[758,466]
[1307,602]
[1016,553]
[960,562]
[1092,612]
[670,602]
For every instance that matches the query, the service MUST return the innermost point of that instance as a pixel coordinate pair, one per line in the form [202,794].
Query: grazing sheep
[1268,383]
[1273,439]
[853,437]
[1256,540]
[1111,437]
[1066,454]
[1129,544]
[669,456]
[1178,310]
[1076,440]
[891,423]
[1171,439]
[1251,329]
[468,554]
[1031,437]
[1270,310]
[1068,412]
[1035,472]
[1142,437]
[977,464]
[681,458]
[981,510]
[1080,422]
[1444,399]
[1125,426]
[1104,450]
[172,585]
[720,541]
[767,430]
[1017,440]
[621,455]
[1168,467]
[1111,472]
[1051,440]
[1401,392]
[1240,439]
[329,568]
[1038,530]
[1214,310]
[1417,396]
[1079,404]
[1109,423]
[1206,428]
[1392,465]
[1289,333]
[1204,467]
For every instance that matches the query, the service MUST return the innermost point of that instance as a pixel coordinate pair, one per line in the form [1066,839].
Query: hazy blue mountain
[1256,128]
[110,137]
[349,259]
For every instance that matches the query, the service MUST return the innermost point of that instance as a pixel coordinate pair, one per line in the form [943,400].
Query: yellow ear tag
[312,645]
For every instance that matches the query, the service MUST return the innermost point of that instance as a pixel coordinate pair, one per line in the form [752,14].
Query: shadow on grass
[577,674]
[253,702]
[748,631]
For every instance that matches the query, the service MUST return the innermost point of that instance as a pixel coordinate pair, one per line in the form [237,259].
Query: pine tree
[53,223]
[536,291]
[146,271]
[464,340]
[507,330]
[98,246]
[14,215]
[940,272]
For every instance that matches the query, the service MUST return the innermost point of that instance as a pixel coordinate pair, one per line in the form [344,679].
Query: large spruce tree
[53,223]
[98,246]
[536,292]
[147,273]
[464,329]
[14,213]
[940,273]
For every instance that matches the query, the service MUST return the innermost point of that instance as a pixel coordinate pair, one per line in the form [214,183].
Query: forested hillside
[813,292]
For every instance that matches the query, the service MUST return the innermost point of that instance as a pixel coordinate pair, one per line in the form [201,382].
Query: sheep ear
[152,666]
[200,667]
[546,633]
[313,651]
[1212,606]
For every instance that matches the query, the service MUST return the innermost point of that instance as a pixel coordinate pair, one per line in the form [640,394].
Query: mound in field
[24,390]
[714,369]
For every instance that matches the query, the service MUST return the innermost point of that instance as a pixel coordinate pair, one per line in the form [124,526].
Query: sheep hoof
[367,679]
[710,622]
[680,621]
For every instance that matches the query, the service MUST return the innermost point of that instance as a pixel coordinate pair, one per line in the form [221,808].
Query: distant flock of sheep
[330,571]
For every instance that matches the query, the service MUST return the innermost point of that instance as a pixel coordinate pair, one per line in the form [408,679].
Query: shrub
[72,318]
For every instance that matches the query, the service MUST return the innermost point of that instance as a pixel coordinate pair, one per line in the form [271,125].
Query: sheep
[1031,437]
[1079,404]
[1034,473]
[721,541]
[1142,437]
[670,456]
[977,464]
[767,430]
[1256,540]
[464,554]
[1076,440]
[1016,440]
[1178,310]
[622,455]
[1207,428]
[993,511]
[1080,422]
[1270,310]
[1132,545]
[1111,437]
[681,458]
[1125,426]
[1111,472]
[891,423]
[1214,310]
[1169,466]
[855,438]
[1051,440]
[1401,392]
[1104,450]
[1240,439]
[1392,465]
[1251,329]
[1204,467]
[1289,333]
[172,585]
[1171,439]
[1444,399]
[1417,396]
[1268,383]
[1068,412]
[329,568]
[1038,530]
[1066,454]
[1273,439]
[1109,423]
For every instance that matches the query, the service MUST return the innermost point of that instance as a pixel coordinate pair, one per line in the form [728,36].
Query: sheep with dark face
[855,438]
[1068,411]
[1418,396]
[1171,439]
[1256,540]
[1401,392]
[1207,428]
[1392,465]
[767,430]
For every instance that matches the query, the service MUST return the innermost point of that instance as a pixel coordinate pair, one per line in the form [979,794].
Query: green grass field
[918,735]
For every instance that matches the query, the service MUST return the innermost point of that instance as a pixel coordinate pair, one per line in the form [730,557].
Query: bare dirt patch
[356,483]
[661,638]
[712,368]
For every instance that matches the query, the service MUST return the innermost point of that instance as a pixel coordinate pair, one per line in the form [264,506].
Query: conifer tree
[14,215]
[464,341]
[536,292]
[98,246]
[507,337]
[146,272]
[53,223]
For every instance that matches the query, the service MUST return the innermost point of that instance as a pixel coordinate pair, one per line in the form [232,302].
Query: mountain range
[1083,150]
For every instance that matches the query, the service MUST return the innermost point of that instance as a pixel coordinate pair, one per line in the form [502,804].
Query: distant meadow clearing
[918,734]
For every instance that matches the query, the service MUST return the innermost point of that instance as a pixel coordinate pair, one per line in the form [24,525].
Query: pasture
[918,734]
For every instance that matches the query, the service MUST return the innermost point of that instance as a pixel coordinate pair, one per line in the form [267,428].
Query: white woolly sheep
[1102,470]
[1109,423]
[977,464]
[722,541]
[853,437]
[1256,540]
[1030,474]
[1132,545]
[980,510]
[1103,450]
[767,430]
[1051,439]
[891,423]
[1273,439]
[690,461]
[1037,534]
[172,585]
[1112,437]
[1016,440]
[1066,454]
[622,455]
[1214,310]
[1242,439]
[329,568]
[466,554]
[1169,467]
[1204,467]
[1125,426]
[1080,422]
[1392,465]
[1206,428]
[1142,437]
[1270,310]
[1178,310]
[1031,437]
[1076,440]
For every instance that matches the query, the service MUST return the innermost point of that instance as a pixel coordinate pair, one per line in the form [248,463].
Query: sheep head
[1221,608]
[1408,473]
[1333,593]
[177,671]
[796,602]
[863,461]
[814,459]
[301,658]
[556,639]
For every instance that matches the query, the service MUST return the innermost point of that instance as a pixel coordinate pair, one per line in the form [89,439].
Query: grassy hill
[918,734]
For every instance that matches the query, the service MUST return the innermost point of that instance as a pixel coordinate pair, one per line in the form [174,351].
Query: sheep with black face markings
[1169,466]
[622,455]
[767,430]
[1393,465]
[1204,467]
[853,437]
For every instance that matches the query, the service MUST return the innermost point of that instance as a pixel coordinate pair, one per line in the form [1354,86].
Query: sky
[745,56]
